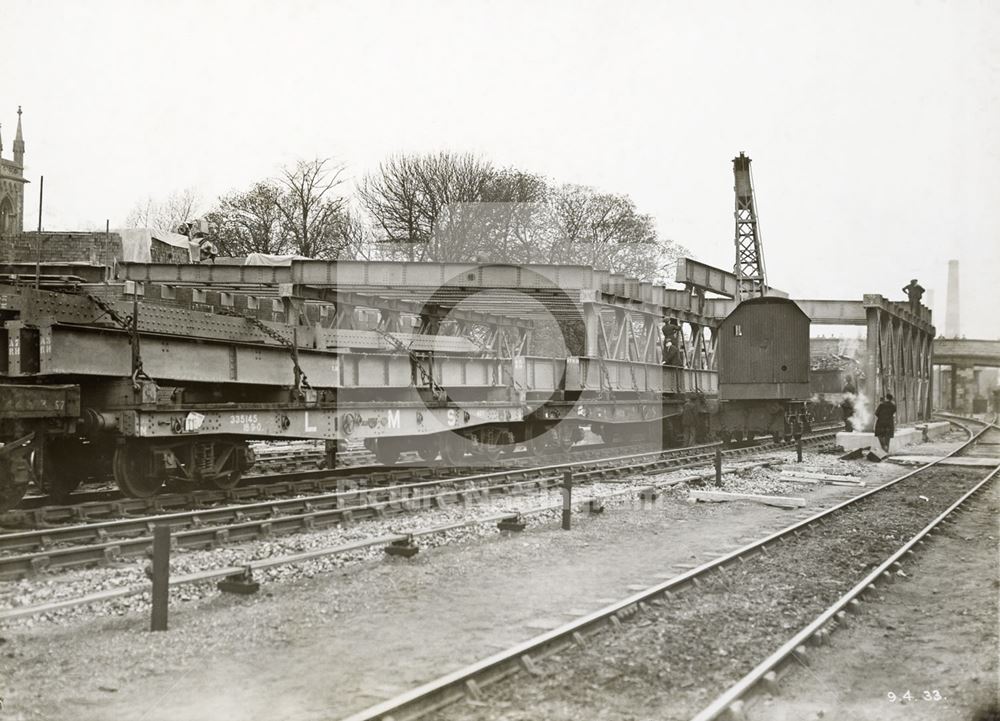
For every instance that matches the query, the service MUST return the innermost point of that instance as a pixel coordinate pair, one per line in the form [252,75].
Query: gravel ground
[901,644]
[939,447]
[317,645]
[670,662]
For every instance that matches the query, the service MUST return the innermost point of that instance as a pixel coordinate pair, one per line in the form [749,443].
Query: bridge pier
[899,357]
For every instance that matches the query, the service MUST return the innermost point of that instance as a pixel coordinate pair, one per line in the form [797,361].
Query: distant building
[12,185]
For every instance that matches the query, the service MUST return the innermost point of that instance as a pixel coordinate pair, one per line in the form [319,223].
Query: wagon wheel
[430,449]
[490,443]
[562,438]
[226,480]
[133,470]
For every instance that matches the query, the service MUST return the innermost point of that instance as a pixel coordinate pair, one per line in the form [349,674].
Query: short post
[567,491]
[798,448]
[718,465]
[161,577]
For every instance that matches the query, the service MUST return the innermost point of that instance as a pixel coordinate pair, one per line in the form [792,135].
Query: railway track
[717,595]
[769,671]
[649,463]
[36,510]
[27,552]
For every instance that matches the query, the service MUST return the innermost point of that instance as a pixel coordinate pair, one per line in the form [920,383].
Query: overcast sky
[874,127]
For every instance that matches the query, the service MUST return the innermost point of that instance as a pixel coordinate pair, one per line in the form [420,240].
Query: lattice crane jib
[749,269]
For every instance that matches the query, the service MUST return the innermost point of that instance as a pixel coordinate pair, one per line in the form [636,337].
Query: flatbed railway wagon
[165,373]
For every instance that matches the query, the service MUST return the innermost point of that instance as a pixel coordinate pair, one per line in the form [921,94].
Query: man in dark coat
[885,421]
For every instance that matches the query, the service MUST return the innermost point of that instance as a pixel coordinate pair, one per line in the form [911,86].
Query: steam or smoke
[862,413]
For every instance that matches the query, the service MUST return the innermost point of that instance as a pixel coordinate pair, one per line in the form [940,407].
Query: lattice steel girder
[901,311]
[599,343]
[898,359]
[19,402]
[348,421]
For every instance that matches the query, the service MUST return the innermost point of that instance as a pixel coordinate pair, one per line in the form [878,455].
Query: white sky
[874,127]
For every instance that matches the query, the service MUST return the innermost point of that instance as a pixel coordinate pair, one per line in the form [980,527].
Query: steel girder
[899,357]
[967,353]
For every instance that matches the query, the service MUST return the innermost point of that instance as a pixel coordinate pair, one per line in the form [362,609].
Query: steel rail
[246,530]
[111,502]
[728,700]
[385,540]
[299,481]
[445,690]
[316,511]
[50,535]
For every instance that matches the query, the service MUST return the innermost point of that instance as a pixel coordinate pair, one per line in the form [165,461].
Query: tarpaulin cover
[136,243]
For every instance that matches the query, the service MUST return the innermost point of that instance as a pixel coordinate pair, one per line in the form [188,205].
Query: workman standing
[914,292]
[885,421]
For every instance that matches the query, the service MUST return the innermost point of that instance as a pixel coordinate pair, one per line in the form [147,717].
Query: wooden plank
[853,484]
[796,479]
[721,496]
[819,476]
[788,476]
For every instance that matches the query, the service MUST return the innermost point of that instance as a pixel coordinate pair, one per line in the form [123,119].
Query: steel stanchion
[567,491]
[161,577]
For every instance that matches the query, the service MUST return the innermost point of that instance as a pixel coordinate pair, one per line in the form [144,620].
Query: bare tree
[392,198]
[310,208]
[166,214]
[359,242]
[250,221]
[607,231]
[450,207]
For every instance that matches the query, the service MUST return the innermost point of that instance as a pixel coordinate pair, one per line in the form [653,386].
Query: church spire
[19,141]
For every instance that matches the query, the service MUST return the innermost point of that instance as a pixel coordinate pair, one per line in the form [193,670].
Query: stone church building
[12,185]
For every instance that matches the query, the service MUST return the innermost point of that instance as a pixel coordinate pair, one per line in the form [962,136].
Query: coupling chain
[130,324]
[425,376]
[274,335]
